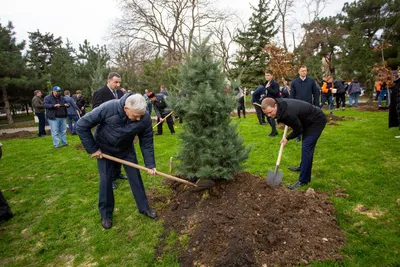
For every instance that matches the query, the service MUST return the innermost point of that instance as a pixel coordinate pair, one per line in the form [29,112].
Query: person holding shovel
[118,122]
[163,112]
[304,118]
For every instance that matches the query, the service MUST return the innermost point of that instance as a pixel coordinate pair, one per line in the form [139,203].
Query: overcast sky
[78,20]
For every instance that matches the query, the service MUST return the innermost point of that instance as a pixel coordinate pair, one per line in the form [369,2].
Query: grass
[53,194]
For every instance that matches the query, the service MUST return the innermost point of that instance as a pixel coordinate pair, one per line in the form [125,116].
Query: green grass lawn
[53,194]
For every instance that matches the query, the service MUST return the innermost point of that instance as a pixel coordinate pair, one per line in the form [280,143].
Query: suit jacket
[104,94]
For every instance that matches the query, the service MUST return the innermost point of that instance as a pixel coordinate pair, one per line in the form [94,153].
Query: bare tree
[314,10]
[222,37]
[170,25]
[284,7]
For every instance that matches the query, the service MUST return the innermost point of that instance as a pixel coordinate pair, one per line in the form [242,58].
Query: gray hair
[136,102]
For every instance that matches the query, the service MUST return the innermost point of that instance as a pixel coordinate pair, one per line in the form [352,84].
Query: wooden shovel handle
[146,169]
[164,119]
[278,161]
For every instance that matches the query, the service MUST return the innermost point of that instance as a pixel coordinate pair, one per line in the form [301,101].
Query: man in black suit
[108,92]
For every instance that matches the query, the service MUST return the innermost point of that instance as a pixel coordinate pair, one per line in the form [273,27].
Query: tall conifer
[251,59]
[211,147]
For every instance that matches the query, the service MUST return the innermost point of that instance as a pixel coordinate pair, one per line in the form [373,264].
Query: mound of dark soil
[20,134]
[248,223]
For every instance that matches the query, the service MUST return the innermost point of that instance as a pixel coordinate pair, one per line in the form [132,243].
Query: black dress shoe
[150,213]
[296,185]
[272,134]
[294,169]
[114,185]
[106,223]
[122,177]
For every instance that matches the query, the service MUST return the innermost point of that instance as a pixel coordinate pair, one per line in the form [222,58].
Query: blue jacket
[306,90]
[261,92]
[115,132]
[49,102]
[160,106]
[258,95]
[72,109]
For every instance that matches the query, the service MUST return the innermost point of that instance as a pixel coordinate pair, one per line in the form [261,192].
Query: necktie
[115,94]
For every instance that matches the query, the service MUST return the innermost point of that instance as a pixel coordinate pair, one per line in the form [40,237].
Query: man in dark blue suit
[109,92]
[118,122]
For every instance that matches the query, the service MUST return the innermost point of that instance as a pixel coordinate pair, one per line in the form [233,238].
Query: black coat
[394,107]
[115,132]
[306,90]
[339,85]
[104,94]
[301,116]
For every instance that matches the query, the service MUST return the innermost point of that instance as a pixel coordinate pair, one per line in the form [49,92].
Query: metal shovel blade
[274,178]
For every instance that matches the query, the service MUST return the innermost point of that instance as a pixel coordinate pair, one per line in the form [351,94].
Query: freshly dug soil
[245,222]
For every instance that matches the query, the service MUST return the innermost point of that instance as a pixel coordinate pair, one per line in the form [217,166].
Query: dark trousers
[170,122]
[260,114]
[42,123]
[72,120]
[307,156]
[241,107]
[340,99]
[106,192]
[272,122]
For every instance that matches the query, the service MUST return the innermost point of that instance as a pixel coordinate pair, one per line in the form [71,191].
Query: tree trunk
[284,33]
[27,109]
[7,105]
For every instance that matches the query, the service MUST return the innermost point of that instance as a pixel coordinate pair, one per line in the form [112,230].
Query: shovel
[163,120]
[200,184]
[274,178]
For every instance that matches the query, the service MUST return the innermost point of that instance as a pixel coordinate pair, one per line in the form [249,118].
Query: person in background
[163,90]
[377,89]
[162,110]
[256,97]
[354,92]
[109,92]
[80,102]
[304,88]
[118,122]
[123,90]
[149,104]
[56,112]
[340,93]
[327,93]
[285,89]
[72,112]
[383,93]
[240,101]
[271,90]
[38,109]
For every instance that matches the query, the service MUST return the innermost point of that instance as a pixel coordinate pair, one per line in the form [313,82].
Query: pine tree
[251,59]
[211,148]
[12,65]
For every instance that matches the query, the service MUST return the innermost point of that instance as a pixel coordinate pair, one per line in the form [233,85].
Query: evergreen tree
[211,148]
[12,65]
[251,59]
[41,50]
